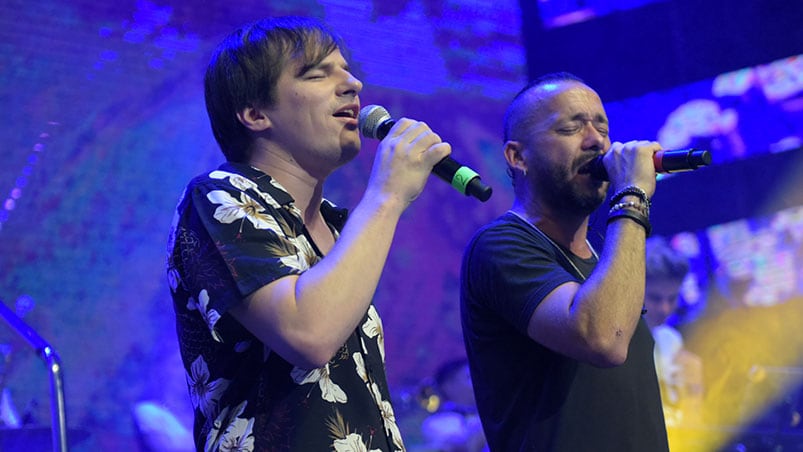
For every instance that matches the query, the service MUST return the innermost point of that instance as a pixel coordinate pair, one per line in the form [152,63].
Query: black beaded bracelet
[634,215]
[630,190]
[641,207]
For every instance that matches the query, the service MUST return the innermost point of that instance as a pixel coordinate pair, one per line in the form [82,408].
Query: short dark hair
[518,112]
[518,116]
[663,261]
[246,66]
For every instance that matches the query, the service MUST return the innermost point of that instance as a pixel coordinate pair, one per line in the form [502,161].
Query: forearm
[307,318]
[333,295]
[608,305]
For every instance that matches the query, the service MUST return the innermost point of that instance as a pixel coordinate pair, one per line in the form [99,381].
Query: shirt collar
[334,215]
[262,179]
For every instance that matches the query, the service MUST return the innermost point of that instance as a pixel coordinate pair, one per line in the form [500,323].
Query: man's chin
[600,194]
[589,204]
[600,185]
[347,154]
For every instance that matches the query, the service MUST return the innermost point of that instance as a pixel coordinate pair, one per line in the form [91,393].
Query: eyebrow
[597,118]
[320,65]
[304,68]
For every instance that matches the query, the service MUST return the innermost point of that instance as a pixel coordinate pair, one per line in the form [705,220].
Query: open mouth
[594,168]
[587,167]
[350,112]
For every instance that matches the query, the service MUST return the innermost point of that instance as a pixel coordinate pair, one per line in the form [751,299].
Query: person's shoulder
[236,177]
[489,233]
[225,184]
[502,225]
[509,232]
[213,176]
[665,334]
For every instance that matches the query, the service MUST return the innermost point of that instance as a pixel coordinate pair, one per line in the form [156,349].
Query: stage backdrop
[104,123]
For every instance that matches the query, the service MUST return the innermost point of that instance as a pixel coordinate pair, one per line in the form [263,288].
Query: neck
[565,230]
[306,189]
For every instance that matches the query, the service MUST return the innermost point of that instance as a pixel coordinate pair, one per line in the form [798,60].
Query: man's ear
[514,155]
[254,119]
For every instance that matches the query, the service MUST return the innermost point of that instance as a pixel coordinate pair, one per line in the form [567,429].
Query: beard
[563,194]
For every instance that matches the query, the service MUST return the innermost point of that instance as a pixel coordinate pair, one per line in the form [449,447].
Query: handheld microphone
[665,162]
[375,122]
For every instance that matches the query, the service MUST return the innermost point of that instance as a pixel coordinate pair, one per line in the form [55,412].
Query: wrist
[631,204]
[630,192]
[634,215]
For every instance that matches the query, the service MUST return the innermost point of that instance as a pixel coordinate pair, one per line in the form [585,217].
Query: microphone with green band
[375,122]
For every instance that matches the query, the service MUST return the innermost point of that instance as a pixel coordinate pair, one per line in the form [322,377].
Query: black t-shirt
[529,397]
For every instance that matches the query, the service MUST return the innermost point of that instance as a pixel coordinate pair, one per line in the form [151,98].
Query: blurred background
[104,123]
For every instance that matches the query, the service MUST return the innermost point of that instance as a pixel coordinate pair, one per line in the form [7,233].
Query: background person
[679,371]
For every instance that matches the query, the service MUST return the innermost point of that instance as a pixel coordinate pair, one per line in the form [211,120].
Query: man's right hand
[631,164]
[404,160]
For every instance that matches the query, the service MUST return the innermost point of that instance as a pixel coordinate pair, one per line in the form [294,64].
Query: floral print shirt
[236,230]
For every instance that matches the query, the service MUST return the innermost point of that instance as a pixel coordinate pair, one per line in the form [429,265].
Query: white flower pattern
[330,391]
[388,417]
[232,209]
[211,438]
[238,434]
[298,261]
[352,443]
[204,394]
[359,364]
[385,407]
[173,279]
[373,328]
[239,195]
[210,316]
[238,181]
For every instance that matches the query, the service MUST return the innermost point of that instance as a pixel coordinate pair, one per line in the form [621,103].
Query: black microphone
[664,161]
[375,122]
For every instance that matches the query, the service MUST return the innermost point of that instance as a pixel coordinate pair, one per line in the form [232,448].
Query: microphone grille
[371,116]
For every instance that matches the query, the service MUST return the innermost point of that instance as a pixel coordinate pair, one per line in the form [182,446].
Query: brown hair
[246,66]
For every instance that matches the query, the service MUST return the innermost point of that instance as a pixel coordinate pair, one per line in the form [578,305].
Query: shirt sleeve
[510,270]
[245,240]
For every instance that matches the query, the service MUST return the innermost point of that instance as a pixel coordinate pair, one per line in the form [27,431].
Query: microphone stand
[53,362]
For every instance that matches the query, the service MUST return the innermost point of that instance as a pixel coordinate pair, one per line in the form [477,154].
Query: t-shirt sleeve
[509,270]
[238,240]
